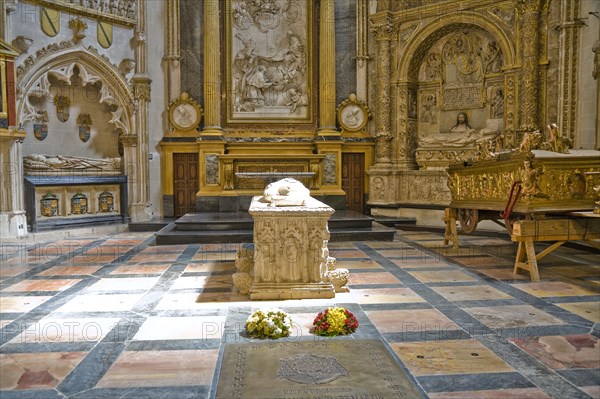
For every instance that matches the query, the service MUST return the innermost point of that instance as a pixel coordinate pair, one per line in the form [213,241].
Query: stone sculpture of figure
[462,123]
[286,192]
[294,99]
[254,85]
[498,104]
[62,162]
[429,115]
[468,65]
[493,58]
[432,66]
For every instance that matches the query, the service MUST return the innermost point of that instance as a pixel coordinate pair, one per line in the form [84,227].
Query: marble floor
[115,316]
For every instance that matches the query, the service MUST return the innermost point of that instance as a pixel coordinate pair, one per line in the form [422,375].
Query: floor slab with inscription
[335,369]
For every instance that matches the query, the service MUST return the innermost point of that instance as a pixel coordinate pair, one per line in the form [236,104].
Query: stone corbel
[141,87]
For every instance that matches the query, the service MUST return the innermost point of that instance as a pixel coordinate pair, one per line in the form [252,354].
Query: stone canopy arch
[422,39]
[92,70]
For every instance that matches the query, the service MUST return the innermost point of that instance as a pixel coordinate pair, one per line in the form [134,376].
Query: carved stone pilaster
[212,69]
[569,39]
[384,32]
[136,151]
[13,221]
[406,130]
[327,97]
[529,44]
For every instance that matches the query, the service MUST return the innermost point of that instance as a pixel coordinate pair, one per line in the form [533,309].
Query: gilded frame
[283,109]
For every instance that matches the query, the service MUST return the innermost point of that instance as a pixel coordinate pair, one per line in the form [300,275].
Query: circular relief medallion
[185,113]
[311,369]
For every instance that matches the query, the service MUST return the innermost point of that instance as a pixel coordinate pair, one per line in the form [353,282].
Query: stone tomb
[290,259]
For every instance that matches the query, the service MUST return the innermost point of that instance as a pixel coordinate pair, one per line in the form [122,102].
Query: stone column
[13,221]
[327,70]
[383,30]
[173,53]
[212,70]
[529,44]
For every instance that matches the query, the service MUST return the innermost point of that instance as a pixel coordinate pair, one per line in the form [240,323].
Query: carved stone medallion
[311,369]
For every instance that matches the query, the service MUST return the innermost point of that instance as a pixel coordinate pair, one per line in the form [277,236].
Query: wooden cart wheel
[468,219]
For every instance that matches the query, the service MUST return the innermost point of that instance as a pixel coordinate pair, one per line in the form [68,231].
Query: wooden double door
[353,180]
[185,182]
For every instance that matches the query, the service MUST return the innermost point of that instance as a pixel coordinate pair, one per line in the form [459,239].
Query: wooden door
[353,177]
[185,182]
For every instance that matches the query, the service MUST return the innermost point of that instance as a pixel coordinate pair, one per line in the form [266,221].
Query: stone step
[170,235]
[393,221]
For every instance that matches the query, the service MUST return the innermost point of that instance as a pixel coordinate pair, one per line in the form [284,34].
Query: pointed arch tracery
[92,70]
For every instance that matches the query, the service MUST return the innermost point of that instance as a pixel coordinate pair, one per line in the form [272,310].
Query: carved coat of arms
[311,369]
[40,128]
[62,107]
[84,121]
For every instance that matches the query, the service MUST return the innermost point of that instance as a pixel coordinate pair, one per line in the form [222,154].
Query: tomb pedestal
[290,250]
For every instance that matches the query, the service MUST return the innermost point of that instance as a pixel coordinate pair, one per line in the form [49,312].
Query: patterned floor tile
[36,370]
[563,352]
[513,316]
[384,295]
[165,328]
[11,271]
[141,258]
[442,276]
[209,267]
[347,253]
[471,293]
[587,310]
[100,303]
[19,304]
[123,284]
[425,262]
[413,320]
[372,278]
[50,329]
[358,264]
[70,270]
[222,282]
[448,357]
[504,274]
[141,269]
[553,289]
[215,256]
[41,285]
[161,368]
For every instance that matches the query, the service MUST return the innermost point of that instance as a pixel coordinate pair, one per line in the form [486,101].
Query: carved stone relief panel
[329,169]
[212,169]
[269,58]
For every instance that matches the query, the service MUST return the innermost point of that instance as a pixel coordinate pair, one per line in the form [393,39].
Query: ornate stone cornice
[120,12]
